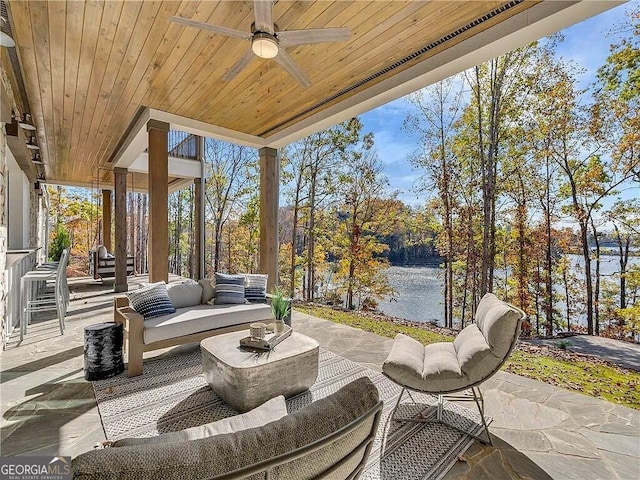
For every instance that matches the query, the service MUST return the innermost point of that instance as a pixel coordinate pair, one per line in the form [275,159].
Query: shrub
[60,241]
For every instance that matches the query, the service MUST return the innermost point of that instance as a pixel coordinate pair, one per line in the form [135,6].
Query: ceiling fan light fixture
[264,45]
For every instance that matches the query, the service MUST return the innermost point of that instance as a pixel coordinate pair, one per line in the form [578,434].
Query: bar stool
[36,299]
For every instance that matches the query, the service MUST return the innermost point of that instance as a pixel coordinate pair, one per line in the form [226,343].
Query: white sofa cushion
[268,412]
[185,294]
[200,318]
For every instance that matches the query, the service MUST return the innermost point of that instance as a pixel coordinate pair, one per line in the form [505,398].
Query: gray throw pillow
[268,412]
[185,294]
[229,289]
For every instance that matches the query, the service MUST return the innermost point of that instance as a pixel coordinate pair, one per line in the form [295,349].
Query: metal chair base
[476,396]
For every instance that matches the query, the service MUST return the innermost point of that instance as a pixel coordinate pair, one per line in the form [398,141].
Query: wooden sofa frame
[134,345]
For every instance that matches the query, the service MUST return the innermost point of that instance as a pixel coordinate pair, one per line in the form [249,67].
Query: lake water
[419,294]
[420,289]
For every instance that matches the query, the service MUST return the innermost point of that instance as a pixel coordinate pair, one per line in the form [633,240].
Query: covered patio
[540,431]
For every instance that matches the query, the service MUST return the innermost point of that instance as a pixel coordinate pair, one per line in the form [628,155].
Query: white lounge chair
[446,368]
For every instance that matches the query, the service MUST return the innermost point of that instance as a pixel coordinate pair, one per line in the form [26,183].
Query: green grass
[602,381]
[382,328]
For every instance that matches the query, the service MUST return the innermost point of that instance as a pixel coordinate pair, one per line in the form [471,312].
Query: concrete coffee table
[246,378]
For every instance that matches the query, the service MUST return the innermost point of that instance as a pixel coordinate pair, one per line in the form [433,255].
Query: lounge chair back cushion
[215,456]
[499,323]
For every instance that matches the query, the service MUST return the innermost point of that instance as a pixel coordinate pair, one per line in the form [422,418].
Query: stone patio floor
[539,431]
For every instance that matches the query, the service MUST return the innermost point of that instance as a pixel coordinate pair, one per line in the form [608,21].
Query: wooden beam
[120,195]
[158,201]
[106,219]
[269,192]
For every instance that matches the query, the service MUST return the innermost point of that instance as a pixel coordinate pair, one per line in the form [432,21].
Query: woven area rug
[173,395]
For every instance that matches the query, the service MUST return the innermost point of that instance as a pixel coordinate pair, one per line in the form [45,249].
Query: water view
[419,290]
[418,294]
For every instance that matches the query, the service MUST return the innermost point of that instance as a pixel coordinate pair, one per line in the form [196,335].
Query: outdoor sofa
[196,316]
[330,438]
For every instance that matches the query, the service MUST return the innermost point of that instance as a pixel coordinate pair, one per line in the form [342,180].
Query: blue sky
[586,44]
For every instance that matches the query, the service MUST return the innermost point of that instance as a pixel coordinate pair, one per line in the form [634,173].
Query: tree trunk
[623,252]
[586,254]
[294,236]
[352,271]
[486,203]
[217,247]
[596,292]
[229,261]
[468,273]
[567,298]
[311,239]
[548,254]
[538,298]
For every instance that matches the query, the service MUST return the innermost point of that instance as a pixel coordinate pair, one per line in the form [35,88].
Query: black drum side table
[103,350]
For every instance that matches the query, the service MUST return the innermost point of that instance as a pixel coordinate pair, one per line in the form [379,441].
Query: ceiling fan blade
[229,32]
[291,38]
[289,64]
[263,11]
[239,65]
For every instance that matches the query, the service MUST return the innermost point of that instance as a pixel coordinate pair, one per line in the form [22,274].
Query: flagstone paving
[539,431]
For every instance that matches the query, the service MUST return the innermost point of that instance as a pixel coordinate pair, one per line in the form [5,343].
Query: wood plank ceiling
[88,67]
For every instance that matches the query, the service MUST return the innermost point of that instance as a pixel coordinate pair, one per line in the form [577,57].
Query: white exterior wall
[19,206]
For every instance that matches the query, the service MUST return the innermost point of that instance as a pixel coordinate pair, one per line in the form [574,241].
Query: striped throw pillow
[229,289]
[151,301]
[255,287]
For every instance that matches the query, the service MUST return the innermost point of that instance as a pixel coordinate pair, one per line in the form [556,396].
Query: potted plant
[281,309]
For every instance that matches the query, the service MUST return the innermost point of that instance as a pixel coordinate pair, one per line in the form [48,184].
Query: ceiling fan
[268,42]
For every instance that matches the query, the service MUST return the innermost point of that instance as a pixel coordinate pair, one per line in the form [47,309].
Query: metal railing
[182,145]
